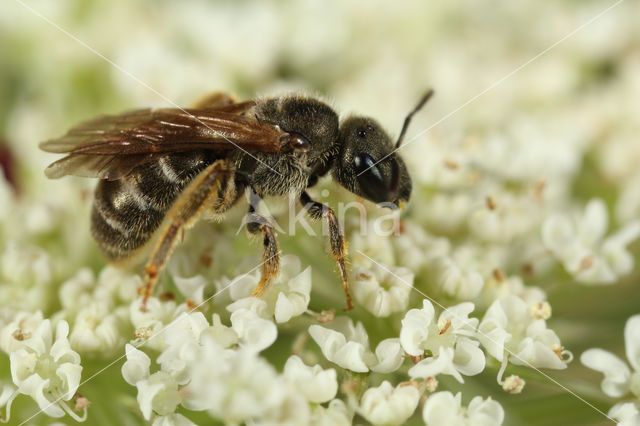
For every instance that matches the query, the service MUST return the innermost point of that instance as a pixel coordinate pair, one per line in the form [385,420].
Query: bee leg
[270,267]
[319,211]
[200,193]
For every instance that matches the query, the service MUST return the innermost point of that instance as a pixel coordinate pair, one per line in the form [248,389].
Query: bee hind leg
[270,266]
[202,192]
[319,211]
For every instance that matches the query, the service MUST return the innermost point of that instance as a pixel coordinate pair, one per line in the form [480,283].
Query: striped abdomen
[127,212]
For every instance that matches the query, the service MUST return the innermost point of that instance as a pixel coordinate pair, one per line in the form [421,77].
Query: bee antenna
[407,120]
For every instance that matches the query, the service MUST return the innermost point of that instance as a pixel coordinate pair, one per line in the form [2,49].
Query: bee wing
[109,147]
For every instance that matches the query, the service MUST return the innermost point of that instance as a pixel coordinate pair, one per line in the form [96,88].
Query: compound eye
[370,178]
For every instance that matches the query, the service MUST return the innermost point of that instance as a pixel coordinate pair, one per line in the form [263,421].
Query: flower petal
[34,386]
[254,331]
[317,385]
[485,412]
[469,358]
[632,341]
[440,364]
[336,348]
[386,405]
[390,356]
[443,408]
[627,413]
[415,328]
[136,367]
[616,373]
[69,374]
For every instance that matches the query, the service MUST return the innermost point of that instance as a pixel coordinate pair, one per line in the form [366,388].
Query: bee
[160,169]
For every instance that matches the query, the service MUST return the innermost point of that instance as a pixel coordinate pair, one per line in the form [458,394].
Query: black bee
[160,169]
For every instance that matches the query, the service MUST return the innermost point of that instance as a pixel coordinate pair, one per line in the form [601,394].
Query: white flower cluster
[212,367]
[579,243]
[44,368]
[516,197]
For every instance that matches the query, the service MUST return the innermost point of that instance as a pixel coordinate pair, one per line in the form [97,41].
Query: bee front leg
[202,192]
[270,267]
[319,211]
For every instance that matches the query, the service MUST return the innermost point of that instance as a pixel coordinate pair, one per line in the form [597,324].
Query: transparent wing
[109,147]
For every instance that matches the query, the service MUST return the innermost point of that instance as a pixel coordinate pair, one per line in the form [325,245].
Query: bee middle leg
[319,211]
[204,191]
[270,267]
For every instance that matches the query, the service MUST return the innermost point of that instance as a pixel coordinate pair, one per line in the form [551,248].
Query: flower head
[578,242]
[348,346]
[47,370]
[448,345]
[386,405]
[287,297]
[382,290]
[443,408]
[316,384]
[511,332]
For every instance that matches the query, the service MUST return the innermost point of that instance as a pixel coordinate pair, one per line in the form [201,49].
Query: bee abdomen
[127,212]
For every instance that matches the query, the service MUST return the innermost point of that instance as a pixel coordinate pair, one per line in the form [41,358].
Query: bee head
[367,164]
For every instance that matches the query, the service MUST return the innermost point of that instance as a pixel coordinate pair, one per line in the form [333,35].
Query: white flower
[173,419]
[386,405]
[382,290]
[182,337]
[335,414]
[112,287]
[316,384]
[448,344]
[26,276]
[292,409]
[412,247]
[220,333]
[47,370]
[25,266]
[99,329]
[250,321]
[504,217]
[136,367]
[233,385]
[157,392]
[579,243]
[23,326]
[619,380]
[158,314]
[498,287]
[443,408]
[626,413]
[510,333]
[447,213]
[348,346]
[453,280]
[288,295]
[192,287]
